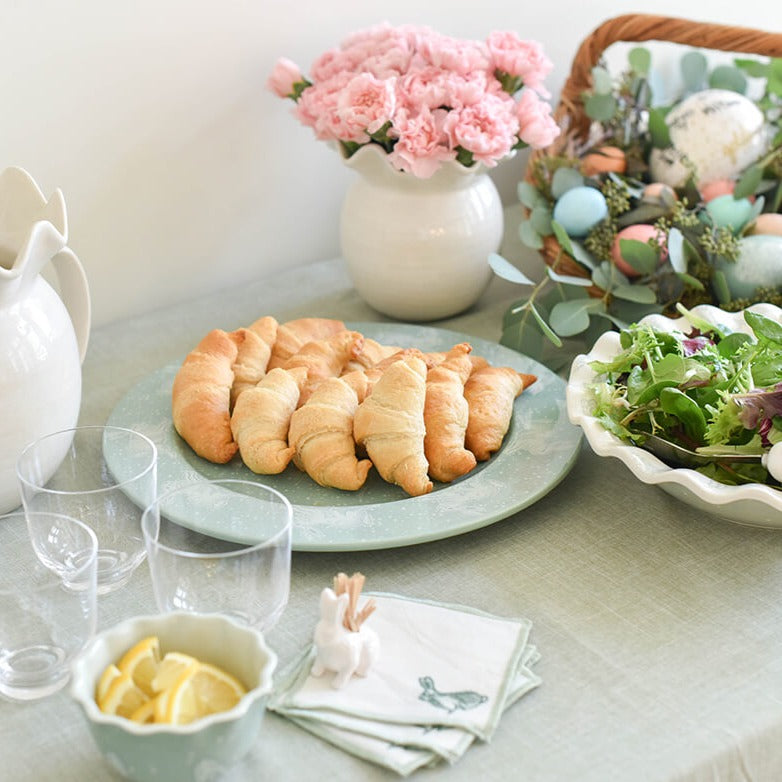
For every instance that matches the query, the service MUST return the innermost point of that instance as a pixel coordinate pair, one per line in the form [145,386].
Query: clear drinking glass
[246,576]
[47,600]
[102,475]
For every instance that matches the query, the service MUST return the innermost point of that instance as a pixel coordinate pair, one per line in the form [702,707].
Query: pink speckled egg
[603,160]
[641,233]
[770,224]
[711,190]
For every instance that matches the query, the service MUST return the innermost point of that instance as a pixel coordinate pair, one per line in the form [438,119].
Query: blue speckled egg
[580,209]
[759,265]
[729,212]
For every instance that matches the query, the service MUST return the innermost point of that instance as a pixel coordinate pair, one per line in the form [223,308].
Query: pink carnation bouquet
[425,98]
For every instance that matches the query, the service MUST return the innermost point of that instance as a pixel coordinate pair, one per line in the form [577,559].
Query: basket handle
[647,27]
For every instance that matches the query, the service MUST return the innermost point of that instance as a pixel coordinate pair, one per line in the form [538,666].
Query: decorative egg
[658,193]
[729,212]
[580,209]
[715,134]
[641,233]
[718,187]
[603,160]
[768,224]
[759,265]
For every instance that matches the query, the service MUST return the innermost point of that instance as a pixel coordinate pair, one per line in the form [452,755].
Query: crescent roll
[389,423]
[446,414]
[201,396]
[490,392]
[321,433]
[294,334]
[261,418]
[254,354]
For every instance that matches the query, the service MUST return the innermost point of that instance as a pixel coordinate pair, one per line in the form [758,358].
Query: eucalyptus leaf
[676,250]
[690,281]
[601,80]
[562,237]
[505,269]
[544,327]
[570,317]
[567,279]
[582,255]
[600,108]
[757,208]
[721,289]
[540,217]
[728,77]
[523,337]
[642,214]
[637,293]
[753,68]
[601,276]
[640,59]
[528,194]
[565,179]
[774,80]
[529,236]
[748,182]
[694,66]
[658,129]
[641,256]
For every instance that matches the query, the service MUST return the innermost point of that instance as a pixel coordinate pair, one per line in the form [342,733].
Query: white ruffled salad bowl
[751,504]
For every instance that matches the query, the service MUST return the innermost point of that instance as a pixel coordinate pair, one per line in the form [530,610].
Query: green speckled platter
[539,450]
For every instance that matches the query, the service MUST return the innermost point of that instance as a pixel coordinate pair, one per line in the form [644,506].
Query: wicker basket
[570,113]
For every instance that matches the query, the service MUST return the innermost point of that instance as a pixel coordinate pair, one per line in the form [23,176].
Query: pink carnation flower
[284,76]
[452,54]
[422,144]
[536,125]
[487,129]
[524,59]
[317,108]
[366,104]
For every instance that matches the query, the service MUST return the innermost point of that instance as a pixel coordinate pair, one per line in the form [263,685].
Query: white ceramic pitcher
[43,338]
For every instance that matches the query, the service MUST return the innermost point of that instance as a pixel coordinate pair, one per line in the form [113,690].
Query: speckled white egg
[759,265]
[580,209]
[715,134]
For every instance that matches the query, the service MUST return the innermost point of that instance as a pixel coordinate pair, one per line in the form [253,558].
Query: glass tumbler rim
[89,562]
[151,465]
[248,547]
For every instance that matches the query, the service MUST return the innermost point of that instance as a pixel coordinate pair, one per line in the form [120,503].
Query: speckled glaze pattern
[538,452]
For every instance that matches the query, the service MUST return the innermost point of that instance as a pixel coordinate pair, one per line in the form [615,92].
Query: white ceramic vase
[417,249]
[42,339]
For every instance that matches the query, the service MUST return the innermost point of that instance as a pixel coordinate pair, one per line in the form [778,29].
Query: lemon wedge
[141,663]
[123,697]
[171,668]
[110,673]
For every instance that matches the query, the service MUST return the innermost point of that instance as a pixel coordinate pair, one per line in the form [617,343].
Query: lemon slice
[141,663]
[110,673]
[171,668]
[200,691]
[123,697]
[146,712]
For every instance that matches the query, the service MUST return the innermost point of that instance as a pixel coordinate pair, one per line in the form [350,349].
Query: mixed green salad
[708,390]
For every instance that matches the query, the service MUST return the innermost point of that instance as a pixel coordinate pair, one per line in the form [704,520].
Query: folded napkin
[443,678]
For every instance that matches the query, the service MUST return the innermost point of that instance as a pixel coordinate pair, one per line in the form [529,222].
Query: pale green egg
[759,265]
[729,212]
[580,209]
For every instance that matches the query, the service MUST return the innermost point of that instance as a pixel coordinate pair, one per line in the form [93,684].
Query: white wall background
[181,172]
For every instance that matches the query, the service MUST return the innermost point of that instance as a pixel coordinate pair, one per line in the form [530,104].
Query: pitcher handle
[75,294]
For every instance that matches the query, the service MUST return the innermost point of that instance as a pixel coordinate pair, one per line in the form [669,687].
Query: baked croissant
[372,353]
[325,358]
[490,392]
[254,354]
[374,373]
[201,396]
[294,334]
[446,414]
[261,418]
[321,432]
[389,423]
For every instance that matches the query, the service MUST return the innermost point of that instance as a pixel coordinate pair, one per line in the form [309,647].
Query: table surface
[660,628]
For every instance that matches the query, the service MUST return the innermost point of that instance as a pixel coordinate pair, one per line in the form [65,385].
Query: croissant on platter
[201,396]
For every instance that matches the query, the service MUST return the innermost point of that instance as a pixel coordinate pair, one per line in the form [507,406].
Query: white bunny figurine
[345,652]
